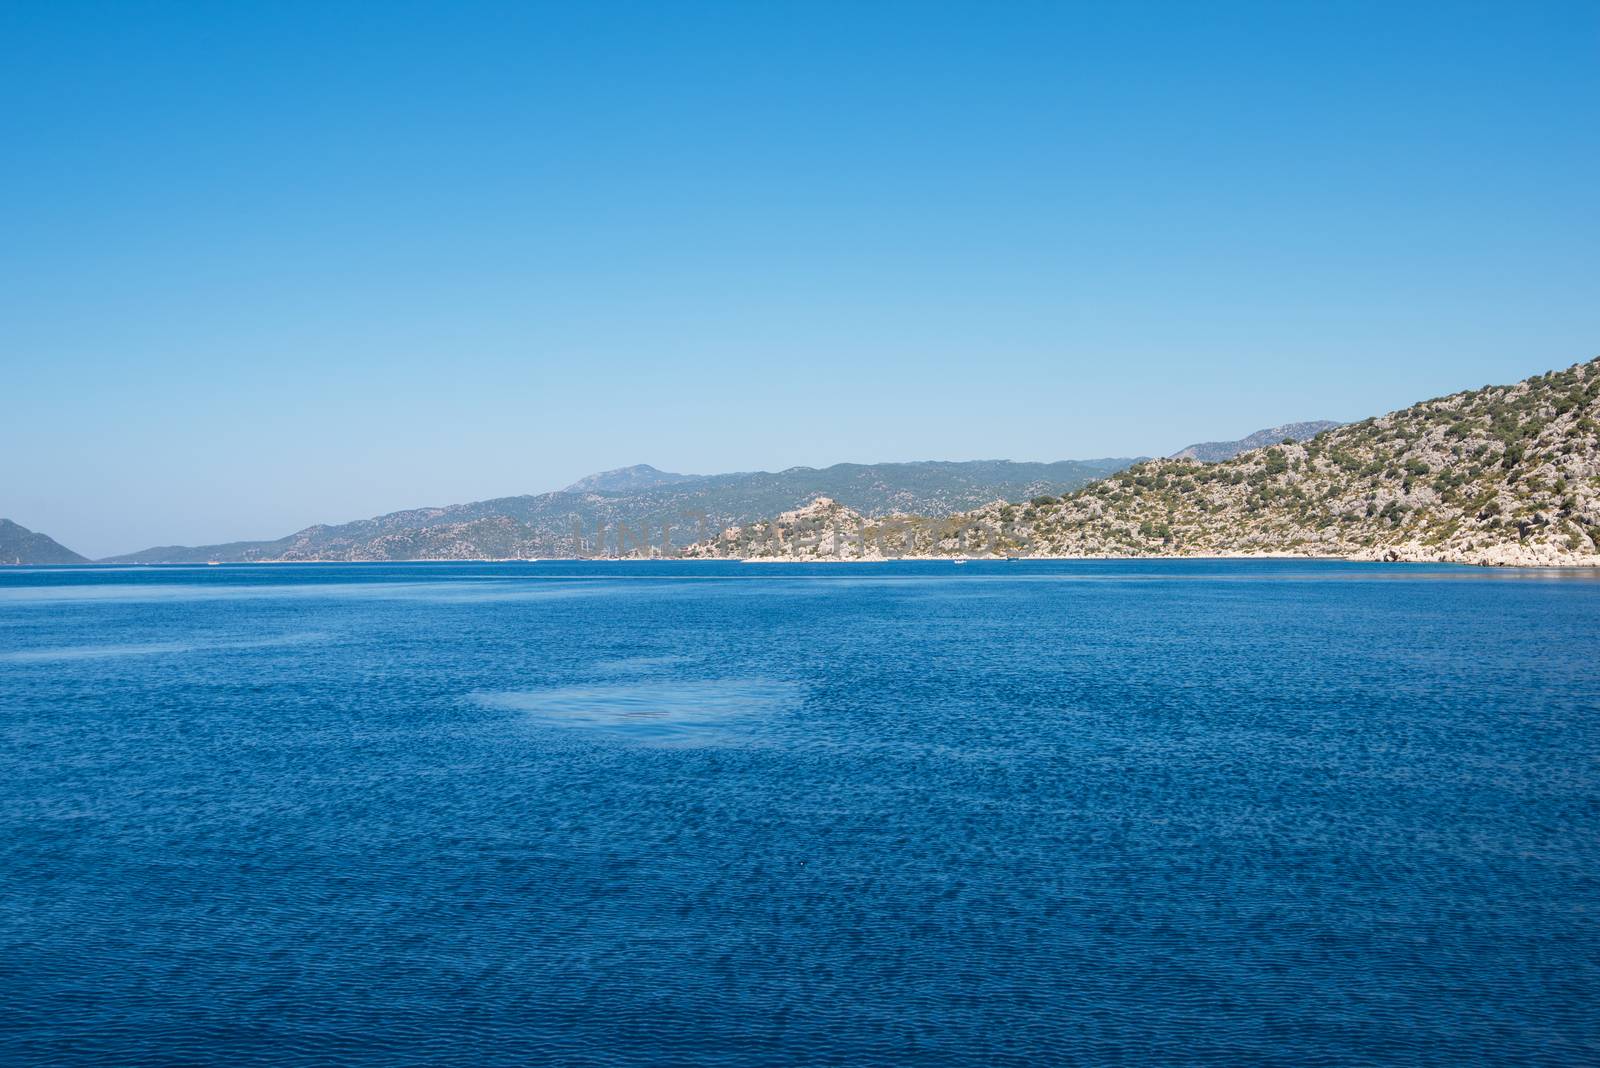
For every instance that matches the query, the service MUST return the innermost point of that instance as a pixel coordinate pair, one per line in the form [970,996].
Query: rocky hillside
[824,529]
[622,509]
[1499,475]
[19,545]
[1211,452]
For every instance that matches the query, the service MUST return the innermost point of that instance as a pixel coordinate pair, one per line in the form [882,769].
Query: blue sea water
[880,814]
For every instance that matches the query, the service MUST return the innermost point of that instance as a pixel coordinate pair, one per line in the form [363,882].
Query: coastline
[1505,560]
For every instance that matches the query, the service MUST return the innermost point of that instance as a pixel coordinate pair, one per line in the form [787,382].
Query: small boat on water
[958,561]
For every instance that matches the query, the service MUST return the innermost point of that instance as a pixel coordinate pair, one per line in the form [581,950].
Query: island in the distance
[19,545]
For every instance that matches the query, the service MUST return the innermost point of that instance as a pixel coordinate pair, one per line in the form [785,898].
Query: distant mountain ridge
[585,522]
[635,479]
[1211,452]
[19,545]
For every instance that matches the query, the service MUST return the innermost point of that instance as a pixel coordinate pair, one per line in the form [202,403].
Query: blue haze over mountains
[1214,452]
[565,522]
[568,522]
[642,498]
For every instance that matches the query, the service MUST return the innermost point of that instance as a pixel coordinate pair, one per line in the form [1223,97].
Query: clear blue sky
[265,265]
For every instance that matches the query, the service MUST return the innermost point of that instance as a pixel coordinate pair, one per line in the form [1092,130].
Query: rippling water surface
[710,814]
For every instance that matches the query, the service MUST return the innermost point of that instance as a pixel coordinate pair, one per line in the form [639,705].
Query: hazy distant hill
[19,545]
[1499,475]
[565,523]
[1210,452]
[635,479]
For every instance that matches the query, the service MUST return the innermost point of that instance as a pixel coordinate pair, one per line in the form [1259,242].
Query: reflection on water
[114,651]
[657,711]
[443,592]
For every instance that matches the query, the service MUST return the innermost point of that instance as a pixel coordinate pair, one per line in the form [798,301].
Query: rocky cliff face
[1499,475]
[824,529]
